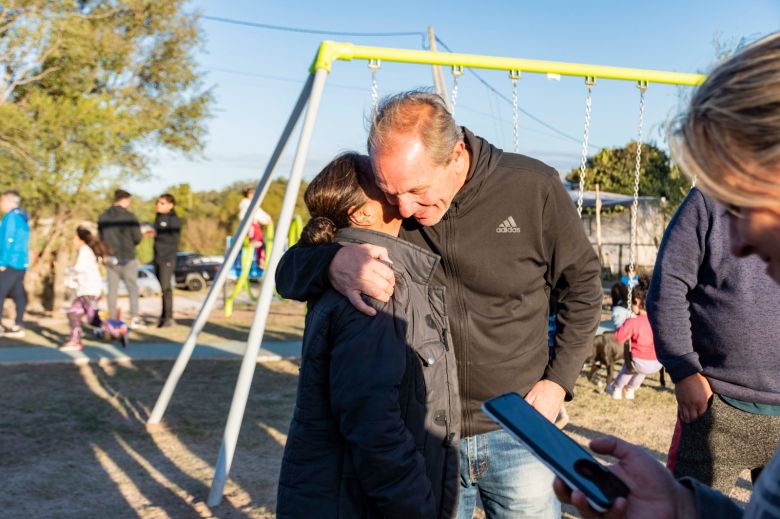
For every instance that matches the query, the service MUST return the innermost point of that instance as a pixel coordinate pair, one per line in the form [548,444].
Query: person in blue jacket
[14,257]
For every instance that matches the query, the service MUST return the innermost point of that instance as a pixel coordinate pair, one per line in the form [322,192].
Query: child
[85,278]
[642,361]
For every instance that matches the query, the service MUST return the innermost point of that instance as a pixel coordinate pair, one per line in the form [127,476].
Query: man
[119,228]
[167,229]
[14,258]
[508,234]
[715,328]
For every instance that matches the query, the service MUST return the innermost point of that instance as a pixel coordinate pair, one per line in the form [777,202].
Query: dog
[606,352]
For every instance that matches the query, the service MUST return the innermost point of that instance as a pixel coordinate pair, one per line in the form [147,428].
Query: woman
[729,140]
[376,424]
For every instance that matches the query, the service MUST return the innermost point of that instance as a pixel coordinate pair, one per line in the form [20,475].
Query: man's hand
[693,395]
[546,397]
[2,269]
[358,269]
[653,491]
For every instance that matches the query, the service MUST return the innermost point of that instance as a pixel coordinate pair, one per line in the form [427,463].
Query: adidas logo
[508,225]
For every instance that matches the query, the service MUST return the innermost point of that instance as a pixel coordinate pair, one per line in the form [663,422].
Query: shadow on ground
[73,441]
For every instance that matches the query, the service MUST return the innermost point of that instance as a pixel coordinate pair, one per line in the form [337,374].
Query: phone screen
[555,449]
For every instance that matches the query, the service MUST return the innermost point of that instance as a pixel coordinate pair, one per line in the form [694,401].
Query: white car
[148,285]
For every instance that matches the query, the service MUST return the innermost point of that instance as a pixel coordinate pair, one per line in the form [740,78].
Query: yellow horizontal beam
[331,51]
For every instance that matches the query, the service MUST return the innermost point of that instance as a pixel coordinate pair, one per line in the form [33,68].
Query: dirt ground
[73,441]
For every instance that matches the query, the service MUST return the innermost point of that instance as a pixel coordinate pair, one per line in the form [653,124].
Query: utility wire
[422,36]
[526,112]
[246,23]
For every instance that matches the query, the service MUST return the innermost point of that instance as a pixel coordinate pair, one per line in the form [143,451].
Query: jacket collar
[419,263]
[484,159]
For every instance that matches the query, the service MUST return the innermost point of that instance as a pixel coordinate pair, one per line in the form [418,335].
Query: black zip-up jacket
[376,424]
[167,230]
[119,228]
[511,235]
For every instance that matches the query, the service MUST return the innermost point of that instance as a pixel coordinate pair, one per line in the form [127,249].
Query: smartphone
[573,464]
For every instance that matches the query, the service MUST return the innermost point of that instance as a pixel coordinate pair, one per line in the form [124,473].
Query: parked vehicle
[193,271]
[148,285]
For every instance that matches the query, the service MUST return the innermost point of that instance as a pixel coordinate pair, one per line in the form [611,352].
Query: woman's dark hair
[99,247]
[639,293]
[338,190]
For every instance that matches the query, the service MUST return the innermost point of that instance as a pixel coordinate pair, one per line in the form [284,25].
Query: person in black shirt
[167,230]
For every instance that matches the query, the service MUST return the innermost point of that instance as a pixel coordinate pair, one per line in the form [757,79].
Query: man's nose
[406,207]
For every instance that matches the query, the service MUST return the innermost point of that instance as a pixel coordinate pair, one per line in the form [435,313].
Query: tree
[613,170]
[87,89]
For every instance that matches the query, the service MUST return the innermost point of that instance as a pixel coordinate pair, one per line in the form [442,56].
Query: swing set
[251,264]
[329,52]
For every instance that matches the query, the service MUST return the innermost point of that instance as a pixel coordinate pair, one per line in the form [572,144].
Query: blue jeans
[511,482]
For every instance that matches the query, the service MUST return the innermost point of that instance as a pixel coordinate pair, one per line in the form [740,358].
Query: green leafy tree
[87,89]
[613,170]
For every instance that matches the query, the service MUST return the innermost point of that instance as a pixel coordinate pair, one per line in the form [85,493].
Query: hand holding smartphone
[573,464]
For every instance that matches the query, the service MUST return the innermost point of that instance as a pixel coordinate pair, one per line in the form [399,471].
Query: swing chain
[374,65]
[457,71]
[642,85]
[514,75]
[589,82]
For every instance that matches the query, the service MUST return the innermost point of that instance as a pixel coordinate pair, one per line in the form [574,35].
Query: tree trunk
[49,252]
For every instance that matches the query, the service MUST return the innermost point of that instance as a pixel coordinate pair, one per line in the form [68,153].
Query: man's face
[412,182]
[164,206]
[5,204]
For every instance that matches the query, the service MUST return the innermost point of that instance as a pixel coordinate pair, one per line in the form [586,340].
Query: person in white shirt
[87,282]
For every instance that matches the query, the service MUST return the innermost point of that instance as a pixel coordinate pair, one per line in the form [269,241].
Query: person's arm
[368,361]
[574,273]
[304,273]
[135,230]
[7,229]
[675,275]
[175,228]
[625,331]
[261,216]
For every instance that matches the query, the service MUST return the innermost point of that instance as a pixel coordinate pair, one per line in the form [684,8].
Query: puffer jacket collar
[419,263]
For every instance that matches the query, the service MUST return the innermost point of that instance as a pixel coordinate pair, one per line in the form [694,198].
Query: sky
[256,74]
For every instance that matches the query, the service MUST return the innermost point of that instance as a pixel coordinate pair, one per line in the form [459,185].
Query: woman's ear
[363,216]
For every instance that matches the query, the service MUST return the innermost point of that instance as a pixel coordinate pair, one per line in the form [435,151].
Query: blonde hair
[729,139]
[420,113]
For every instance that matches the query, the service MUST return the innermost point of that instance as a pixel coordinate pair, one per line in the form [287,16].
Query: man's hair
[121,194]
[13,195]
[420,113]
[168,198]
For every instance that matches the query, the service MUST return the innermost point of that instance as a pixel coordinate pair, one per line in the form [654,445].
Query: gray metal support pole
[230,257]
[238,405]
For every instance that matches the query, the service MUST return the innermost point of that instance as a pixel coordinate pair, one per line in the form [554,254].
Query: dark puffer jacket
[377,420]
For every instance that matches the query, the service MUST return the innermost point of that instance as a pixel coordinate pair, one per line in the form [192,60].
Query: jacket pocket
[430,372]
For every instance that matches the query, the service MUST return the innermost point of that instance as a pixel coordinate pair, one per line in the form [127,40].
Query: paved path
[104,353]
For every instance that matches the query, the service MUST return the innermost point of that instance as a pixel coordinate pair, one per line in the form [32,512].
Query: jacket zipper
[461,322]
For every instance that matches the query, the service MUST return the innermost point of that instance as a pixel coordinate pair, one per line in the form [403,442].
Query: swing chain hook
[457,71]
[642,85]
[514,75]
[590,81]
[374,65]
